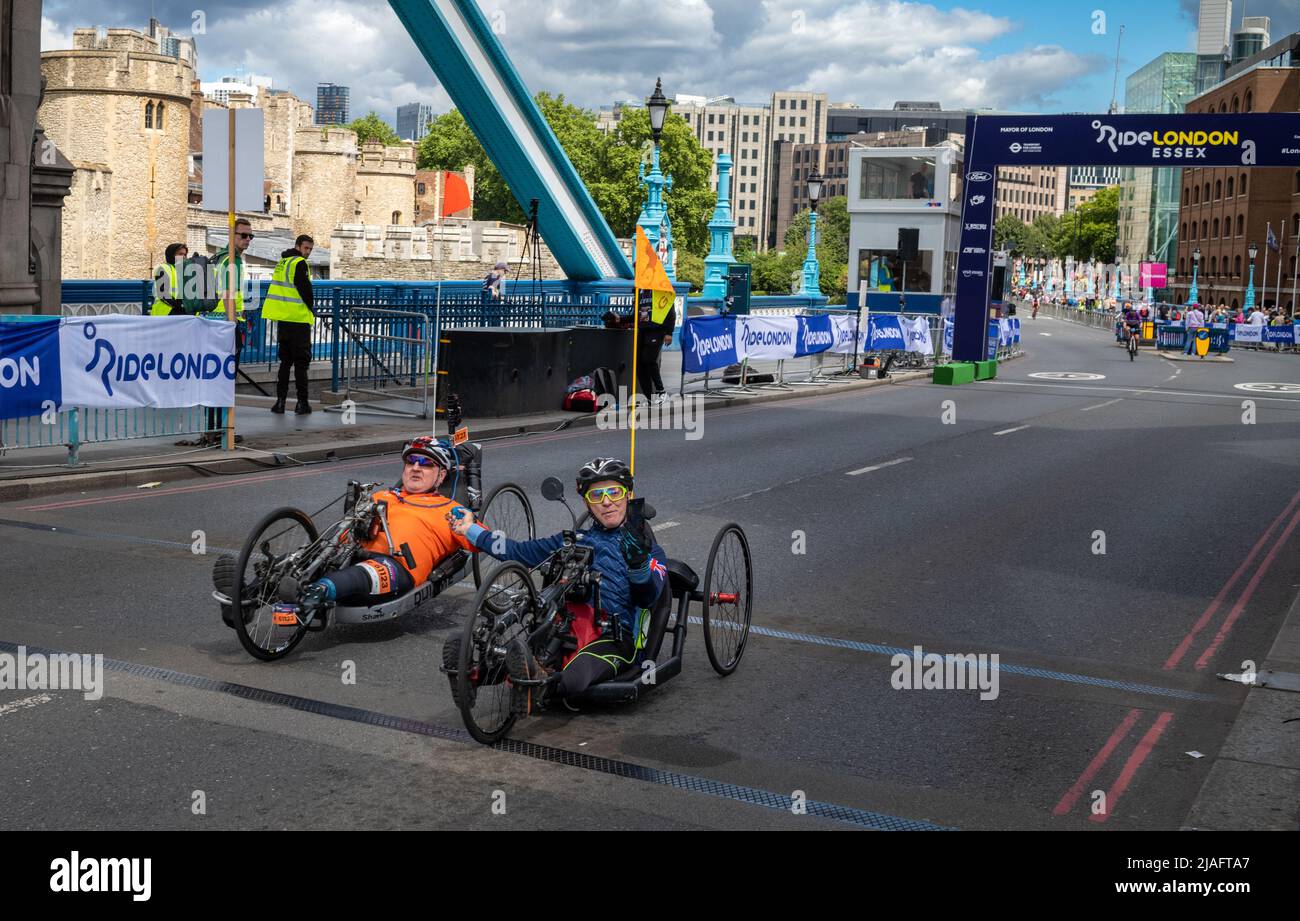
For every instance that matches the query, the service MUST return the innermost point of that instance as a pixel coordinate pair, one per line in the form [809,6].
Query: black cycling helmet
[603,468]
[426,446]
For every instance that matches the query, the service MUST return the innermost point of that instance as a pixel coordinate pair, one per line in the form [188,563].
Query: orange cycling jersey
[419,520]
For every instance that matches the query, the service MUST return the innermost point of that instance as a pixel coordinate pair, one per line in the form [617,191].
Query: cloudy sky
[1023,55]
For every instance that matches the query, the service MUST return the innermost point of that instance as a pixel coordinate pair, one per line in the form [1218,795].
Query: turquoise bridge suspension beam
[460,46]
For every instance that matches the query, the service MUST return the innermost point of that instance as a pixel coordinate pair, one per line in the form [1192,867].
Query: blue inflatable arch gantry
[1239,140]
[459,45]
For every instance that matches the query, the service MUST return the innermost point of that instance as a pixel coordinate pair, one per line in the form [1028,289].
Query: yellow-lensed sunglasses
[597,493]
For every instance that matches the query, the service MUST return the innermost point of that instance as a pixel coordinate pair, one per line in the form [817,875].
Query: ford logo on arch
[978,177]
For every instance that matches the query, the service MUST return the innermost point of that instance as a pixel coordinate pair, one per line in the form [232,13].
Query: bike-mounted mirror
[553,490]
[350,496]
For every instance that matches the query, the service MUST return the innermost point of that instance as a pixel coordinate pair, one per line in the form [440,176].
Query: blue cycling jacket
[624,593]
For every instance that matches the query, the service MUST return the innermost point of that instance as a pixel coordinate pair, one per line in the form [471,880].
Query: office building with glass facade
[1148,205]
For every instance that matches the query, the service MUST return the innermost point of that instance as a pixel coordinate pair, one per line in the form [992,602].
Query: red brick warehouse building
[1223,210]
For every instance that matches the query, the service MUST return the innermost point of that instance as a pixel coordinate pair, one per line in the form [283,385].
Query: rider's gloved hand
[635,548]
[461,519]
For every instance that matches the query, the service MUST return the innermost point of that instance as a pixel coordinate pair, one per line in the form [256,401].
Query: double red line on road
[1148,741]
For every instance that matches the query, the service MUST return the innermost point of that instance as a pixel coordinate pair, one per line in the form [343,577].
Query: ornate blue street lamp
[811,268]
[1194,295]
[654,214]
[1252,251]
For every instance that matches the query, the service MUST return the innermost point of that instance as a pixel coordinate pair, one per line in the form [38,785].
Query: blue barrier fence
[455,304]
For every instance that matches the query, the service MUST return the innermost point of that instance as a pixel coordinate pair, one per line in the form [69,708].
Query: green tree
[690,268]
[607,165]
[691,200]
[1040,237]
[771,271]
[374,128]
[1008,232]
[1090,231]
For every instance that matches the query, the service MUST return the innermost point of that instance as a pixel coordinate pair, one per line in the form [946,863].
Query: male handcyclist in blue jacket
[633,573]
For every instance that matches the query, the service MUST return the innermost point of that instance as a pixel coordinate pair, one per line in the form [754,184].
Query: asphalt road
[973,534]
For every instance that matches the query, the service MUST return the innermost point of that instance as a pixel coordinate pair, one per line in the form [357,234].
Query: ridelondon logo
[1169,145]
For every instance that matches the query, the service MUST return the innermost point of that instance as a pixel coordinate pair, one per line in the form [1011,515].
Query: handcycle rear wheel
[262,564]
[728,599]
[507,510]
[503,614]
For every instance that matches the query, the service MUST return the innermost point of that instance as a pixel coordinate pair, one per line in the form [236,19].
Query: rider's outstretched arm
[528,552]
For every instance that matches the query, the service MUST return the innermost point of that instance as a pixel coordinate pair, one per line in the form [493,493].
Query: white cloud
[52,37]
[869,51]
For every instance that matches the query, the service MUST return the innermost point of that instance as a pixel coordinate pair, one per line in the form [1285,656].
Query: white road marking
[1100,389]
[1268,388]
[1044,334]
[666,525]
[1087,409]
[892,463]
[1018,428]
[25,703]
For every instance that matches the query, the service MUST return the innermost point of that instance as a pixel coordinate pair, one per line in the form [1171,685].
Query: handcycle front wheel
[262,563]
[728,599]
[508,511]
[503,614]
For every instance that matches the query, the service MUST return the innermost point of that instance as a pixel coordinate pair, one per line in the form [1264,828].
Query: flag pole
[1267,234]
[636,325]
[1281,248]
[232,275]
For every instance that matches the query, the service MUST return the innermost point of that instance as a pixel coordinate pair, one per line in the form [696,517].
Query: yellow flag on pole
[651,276]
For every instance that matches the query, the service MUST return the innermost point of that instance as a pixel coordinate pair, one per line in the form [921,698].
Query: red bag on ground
[581,401]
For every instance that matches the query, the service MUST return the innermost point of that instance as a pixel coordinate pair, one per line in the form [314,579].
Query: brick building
[1224,210]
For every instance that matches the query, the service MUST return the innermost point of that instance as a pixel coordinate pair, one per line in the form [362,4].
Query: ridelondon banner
[29,368]
[115,362]
[709,343]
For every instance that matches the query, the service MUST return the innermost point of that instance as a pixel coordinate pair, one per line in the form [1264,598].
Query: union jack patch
[658,568]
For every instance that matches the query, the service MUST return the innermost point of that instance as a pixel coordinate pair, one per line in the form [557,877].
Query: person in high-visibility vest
[167,282]
[221,268]
[289,302]
[220,265]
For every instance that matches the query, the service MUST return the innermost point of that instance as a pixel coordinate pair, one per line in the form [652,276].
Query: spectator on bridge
[1195,320]
[1162,312]
[652,338]
[289,301]
[494,283]
[1238,316]
[167,281]
[1257,317]
[221,268]
[920,181]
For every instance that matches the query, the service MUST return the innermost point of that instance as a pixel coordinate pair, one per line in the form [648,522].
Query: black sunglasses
[244,236]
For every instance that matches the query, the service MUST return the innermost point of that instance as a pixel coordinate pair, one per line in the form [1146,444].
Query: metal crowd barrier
[384,355]
[78,426]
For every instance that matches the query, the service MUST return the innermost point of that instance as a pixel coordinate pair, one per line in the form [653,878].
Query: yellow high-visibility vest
[283,302]
[160,307]
[223,270]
